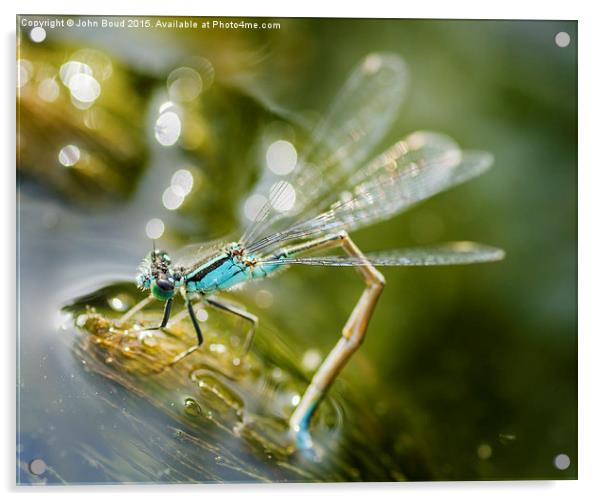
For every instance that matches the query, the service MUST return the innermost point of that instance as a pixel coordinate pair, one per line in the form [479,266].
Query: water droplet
[121,302]
[218,348]
[148,339]
[192,407]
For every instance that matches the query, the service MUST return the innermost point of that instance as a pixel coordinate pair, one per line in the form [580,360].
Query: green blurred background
[479,362]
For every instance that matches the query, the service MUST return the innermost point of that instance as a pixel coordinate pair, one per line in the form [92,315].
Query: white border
[590,248]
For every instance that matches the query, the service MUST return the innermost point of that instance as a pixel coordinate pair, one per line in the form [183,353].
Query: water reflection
[219,405]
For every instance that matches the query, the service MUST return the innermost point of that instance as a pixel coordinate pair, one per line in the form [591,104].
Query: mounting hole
[562,462]
[562,39]
[37,467]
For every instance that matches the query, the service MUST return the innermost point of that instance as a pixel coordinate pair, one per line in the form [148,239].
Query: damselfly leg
[229,308]
[235,310]
[166,314]
[143,304]
[197,329]
[353,333]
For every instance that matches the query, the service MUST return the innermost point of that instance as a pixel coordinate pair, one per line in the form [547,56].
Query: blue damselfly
[332,190]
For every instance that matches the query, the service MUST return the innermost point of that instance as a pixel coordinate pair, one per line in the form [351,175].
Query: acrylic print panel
[208,210]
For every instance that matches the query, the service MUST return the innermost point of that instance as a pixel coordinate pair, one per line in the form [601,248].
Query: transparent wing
[412,170]
[195,254]
[451,253]
[358,119]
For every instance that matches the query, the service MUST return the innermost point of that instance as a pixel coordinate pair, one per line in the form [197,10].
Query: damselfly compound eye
[162,289]
[165,285]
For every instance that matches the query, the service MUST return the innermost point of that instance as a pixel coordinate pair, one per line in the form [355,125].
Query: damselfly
[331,191]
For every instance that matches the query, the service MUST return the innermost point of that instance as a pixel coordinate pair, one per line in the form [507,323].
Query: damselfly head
[155,273]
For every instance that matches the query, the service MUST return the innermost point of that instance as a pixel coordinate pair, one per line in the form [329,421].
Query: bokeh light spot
[97,61]
[253,206]
[72,68]
[69,155]
[283,196]
[484,451]
[84,88]
[172,199]
[24,72]
[155,228]
[48,90]
[372,64]
[281,157]
[184,84]
[182,181]
[264,298]
[311,360]
[168,128]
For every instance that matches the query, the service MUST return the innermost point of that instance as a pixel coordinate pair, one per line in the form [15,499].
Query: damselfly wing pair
[333,189]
